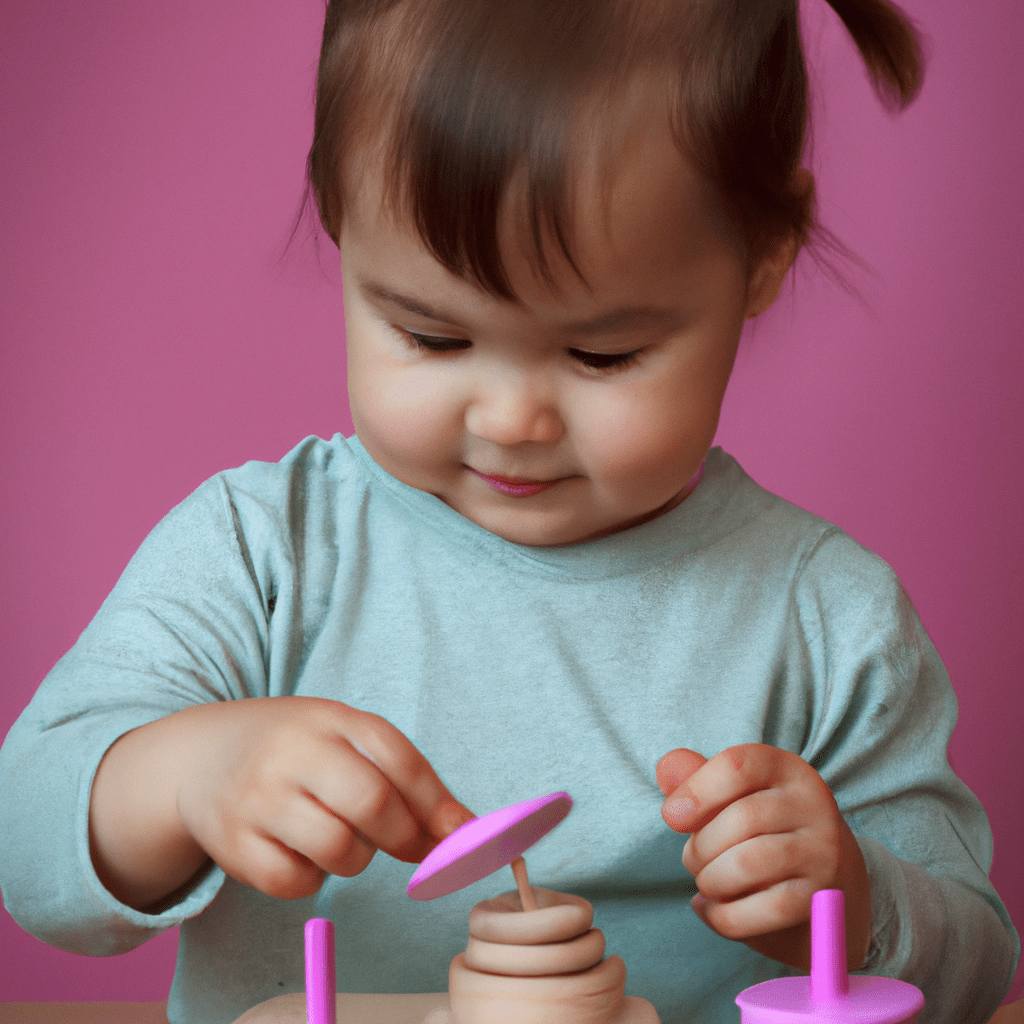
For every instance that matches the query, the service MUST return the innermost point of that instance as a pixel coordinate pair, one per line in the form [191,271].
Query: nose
[513,408]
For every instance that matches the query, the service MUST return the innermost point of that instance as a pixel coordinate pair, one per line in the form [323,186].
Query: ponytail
[890,45]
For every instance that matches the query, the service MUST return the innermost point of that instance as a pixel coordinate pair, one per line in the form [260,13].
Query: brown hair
[461,94]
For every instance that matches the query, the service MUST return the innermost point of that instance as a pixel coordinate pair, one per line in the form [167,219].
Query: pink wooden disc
[484,845]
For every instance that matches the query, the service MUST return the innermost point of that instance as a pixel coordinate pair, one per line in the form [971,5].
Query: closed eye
[605,360]
[432,343]
[592,360]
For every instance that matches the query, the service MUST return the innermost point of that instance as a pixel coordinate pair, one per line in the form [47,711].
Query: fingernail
[453,816]
[680,808]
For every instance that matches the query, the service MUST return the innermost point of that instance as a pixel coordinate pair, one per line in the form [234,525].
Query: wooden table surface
[370,1008]
[83,1013]
[287,1009]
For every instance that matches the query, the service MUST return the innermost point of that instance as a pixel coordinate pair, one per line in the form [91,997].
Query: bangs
[472,108]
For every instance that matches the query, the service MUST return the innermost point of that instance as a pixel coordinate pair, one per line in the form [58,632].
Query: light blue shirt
[517,671]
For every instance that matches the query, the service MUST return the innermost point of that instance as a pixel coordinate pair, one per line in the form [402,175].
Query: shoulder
[313,465]
[774,535]
[854,642]
[309,481]
[259,512]
[838,595]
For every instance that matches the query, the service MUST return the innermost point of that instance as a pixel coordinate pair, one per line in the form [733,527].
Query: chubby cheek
[645,447]
[401,420]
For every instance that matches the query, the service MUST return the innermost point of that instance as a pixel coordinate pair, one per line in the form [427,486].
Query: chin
[530,535]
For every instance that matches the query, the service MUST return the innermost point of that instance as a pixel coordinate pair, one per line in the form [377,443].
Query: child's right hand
[278,791]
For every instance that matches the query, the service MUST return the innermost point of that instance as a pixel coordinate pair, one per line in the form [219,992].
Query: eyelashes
[601,361]
[431,343]
[605,360]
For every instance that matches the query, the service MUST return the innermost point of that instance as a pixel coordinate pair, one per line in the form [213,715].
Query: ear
[767,279]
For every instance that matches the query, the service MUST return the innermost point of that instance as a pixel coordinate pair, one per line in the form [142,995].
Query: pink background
[152,162]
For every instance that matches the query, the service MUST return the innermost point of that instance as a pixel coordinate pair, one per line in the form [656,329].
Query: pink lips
[516,488]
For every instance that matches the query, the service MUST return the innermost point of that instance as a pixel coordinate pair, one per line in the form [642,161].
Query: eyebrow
[604,323]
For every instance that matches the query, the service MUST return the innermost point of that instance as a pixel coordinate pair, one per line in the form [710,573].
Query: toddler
[528,570]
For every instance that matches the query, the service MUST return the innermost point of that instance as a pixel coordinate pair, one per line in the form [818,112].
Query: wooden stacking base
[352,1008]
[545,965]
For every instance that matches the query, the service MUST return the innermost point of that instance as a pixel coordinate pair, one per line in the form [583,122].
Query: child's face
[531,392]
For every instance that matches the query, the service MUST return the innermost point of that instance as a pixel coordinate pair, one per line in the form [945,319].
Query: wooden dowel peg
[526,895]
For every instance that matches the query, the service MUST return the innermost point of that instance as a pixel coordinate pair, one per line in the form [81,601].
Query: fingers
[250,853]
[360,786]
[319,837]
[765,834]
[393,796]
[263,862]
[365,806]
[755,865]
[676,767]
[728,776]
[673,772]
[780,907]
[778,811]
[292,788]
[761,815]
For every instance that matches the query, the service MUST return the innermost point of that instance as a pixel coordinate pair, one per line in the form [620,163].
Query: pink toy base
[870,1000]
[830,993]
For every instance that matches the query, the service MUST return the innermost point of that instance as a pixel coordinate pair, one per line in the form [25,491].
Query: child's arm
[235,600]
[278,791]
[766,835]
[858,722]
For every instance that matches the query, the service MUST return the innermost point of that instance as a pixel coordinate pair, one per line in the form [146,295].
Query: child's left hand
[766,835]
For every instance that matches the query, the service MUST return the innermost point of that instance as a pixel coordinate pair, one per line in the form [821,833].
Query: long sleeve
[927,922]
[885,713]
[185,624]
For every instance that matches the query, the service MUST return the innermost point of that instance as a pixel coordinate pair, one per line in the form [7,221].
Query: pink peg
[829,981]
[320,985]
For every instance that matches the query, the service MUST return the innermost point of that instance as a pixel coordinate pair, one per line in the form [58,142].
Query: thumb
[676,767]
[449,816]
